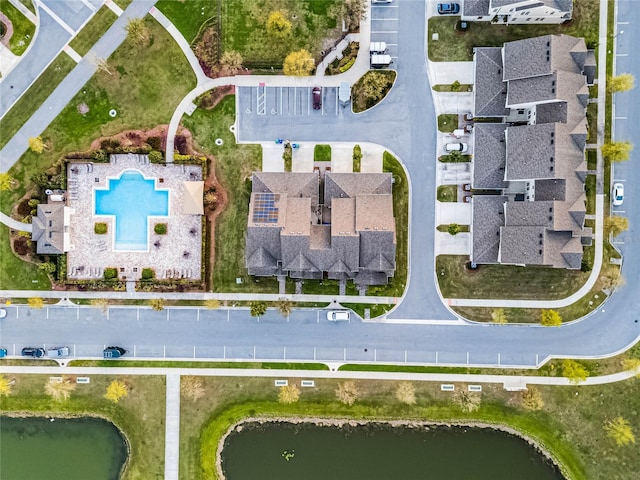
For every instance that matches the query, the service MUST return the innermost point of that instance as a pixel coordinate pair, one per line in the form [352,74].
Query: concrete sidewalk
[172,427]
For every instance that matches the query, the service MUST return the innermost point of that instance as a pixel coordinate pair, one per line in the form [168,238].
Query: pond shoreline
[409,424]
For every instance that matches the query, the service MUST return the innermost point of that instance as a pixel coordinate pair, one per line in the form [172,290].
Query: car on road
[33,352]
[3,352]
[617,194]
[3,313]
[316,94]
[448,8]
[113,352]
[338,315]
[58,352]
[456,147]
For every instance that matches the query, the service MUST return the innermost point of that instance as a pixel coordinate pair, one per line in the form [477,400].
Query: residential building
[517,11]
[345,230]
[531,166]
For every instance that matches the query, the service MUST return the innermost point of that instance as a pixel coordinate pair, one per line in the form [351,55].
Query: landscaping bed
[371,89]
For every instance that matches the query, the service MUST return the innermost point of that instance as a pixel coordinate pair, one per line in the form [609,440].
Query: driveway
[272,160]
[447,244]
[453,212]
[453,102]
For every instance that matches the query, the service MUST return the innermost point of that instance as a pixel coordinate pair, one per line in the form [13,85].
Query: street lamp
[619,33]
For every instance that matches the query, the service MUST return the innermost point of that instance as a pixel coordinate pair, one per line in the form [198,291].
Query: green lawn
[189,15]
[145,86]
[29,5]
[92,31]
[505,281]
[23,29]
[140,415]
[322,153]
[123,4]
[233,167]
[590,190]
[16,274]
[447,122]
[458,46]
[445,228]
[464,87]
[244,29]
[592,125]
[33,98]
[447,193]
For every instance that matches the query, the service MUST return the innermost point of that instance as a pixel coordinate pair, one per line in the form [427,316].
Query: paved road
[72,83]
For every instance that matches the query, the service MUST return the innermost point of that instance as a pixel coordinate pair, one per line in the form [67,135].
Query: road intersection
[421,329]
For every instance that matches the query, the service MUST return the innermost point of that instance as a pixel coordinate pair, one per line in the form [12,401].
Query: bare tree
[406,393]
[347,392]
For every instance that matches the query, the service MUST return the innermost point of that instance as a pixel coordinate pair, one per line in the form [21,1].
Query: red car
[316,95]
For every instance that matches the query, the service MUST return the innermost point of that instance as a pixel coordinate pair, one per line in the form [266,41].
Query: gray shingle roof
[531,152]
[48,228]
[350,185]
[488,218]
[489,89]
[524,214]
[489,155]
[522,245]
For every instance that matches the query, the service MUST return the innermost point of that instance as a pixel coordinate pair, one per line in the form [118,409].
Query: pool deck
[178,254]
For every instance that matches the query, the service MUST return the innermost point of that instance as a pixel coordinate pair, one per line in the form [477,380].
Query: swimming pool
[131,199]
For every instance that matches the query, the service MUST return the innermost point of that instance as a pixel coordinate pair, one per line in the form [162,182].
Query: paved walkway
[25,11]
[15,224]
[172,427]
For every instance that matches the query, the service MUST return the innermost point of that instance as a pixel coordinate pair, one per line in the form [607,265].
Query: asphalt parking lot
[287,101]
[384,27]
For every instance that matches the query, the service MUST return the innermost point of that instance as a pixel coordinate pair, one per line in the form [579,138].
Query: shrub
[258,309]
[160,228]
[100,228]
[347,65]
[453,229]
[110,273]
[289,394]
[155,143]
[116,390]
[347,392]
[21,245]
[155,156]
[148,274]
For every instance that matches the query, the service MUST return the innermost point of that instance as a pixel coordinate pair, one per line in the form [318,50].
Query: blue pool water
[132,199]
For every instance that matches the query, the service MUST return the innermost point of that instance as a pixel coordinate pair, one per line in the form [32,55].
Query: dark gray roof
[523,214]
[551,112]
[489,88]
[531,152]
[48,228]
[550,189]
[475,8]
[489,154]
[488,218]
[522,245]
[532,90]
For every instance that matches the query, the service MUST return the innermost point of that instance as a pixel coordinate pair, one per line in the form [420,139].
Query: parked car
[3,352]
[317,98]
[617,194]
[448,8]
[381,1]
[456,147]
[338,315]
[3,313]
[113,352]
[57,352]
[33,352]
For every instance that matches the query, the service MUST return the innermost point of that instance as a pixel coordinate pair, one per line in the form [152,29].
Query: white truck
[344,93]
[379,48]
[380,61]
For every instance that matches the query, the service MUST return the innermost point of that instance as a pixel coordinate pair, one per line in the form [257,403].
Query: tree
[531,399]
[614,225]
[157,304]
[498,316]
[455,86]
[620,83]
[116,390]
[406,393]
[60,391]
[298,64]
[102,65]
[574,371]
[258,309]
[5,386]
[453,229]
[212,304]
[47,267]
[35,302]
[289,394]
[210,197]
[550,318]
[374,85]
[36,144]
[284,306]
[617,151]
[347,392]
[353,11]
[620,431]
[101,303]
[467,401]
[631,363]
[6,182]
[191,388]
[277,25]
[231,61]
[137,30]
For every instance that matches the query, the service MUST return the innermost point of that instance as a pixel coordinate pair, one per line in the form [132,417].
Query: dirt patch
[6,29]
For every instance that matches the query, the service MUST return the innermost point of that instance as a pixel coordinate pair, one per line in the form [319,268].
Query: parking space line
[620,118]
[280,100]
[618,211]
[295,100]
[622,54]
[337,93]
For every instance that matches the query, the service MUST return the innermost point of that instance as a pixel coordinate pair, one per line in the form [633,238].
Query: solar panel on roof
[264,208]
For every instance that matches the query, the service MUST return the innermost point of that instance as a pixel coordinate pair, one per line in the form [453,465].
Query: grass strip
[28,103]
[193,364]
[92,31]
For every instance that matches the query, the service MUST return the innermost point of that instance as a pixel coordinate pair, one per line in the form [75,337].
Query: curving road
[404,122]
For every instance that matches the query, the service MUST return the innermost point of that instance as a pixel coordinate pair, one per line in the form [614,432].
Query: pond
[79,448]
[378,451]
